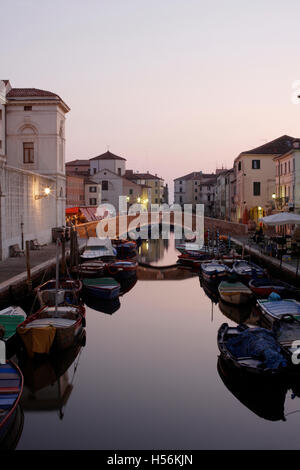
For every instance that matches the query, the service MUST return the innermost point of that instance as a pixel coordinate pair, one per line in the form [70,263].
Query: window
[0,144]
[155,183]
[93,201]
[195,198]
[256,188]
[285,168]
[208,197]
[28,152]
[104,185]
[93,189]
[27,108]
[94,170]
[255,164]
[196,190]
[180,199]
[180,190]
[156,200]
[239,166]
[180,182]
[289,165]
[0,114]
[119,171]
[130,191]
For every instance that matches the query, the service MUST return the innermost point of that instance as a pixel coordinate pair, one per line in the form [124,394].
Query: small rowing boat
[104,288]
[122,269]
[99,248]
[10,319]
[246,270]
[67,292]
[279,309]
[11,387]
[214,272]
[264,287]
[234,292]
[253,350]
[94,268]
[52,328]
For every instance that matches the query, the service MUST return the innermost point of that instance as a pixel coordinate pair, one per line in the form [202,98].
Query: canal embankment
[276,267]
[14,286]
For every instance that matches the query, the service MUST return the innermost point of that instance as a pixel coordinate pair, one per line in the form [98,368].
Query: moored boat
[264,287]
[281,309]
[234,292]
[11,387]
[214,272]
[94,268]
[67,292]
[192,262]
[253,350]
[52,328]
[10,318]
[99,248]
[122,269]
[103,288]
[125,248]
[246,270]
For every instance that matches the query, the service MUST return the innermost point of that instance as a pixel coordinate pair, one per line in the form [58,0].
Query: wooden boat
[95,268]
[234,292]
[67,292]
[104,288]
[192,262]
[264,287]
[11,387]
[246,270]
[52,328]
[122,269]
[251,363]
[274,310]
[125,248]
[10,318]
[214,272]
[99,248]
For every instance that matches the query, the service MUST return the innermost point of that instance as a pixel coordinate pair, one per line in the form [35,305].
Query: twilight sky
[172,85]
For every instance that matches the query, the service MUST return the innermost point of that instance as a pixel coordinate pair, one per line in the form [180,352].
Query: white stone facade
[36,118]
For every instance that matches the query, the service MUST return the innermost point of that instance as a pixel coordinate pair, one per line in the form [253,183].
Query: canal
[148,377]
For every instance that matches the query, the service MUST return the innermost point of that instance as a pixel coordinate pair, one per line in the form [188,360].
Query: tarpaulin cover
[258,343]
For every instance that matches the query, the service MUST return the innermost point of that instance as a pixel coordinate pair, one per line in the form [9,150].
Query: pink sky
[174,85]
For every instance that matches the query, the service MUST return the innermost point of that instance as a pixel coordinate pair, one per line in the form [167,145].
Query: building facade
[255,178]
[154,182]
[287,194]
[196,188]
[32,171]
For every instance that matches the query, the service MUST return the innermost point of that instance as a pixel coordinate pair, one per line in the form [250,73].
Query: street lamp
[46,193]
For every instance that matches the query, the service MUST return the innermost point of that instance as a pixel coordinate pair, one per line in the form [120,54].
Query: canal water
[148,377]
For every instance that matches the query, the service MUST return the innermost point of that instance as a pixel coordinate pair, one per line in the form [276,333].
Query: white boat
[99,248]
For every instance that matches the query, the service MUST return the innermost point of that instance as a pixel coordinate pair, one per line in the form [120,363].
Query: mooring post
[63,257]
[29,281]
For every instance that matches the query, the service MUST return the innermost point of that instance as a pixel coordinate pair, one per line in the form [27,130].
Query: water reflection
[148,376]
[48,380]
[264,397]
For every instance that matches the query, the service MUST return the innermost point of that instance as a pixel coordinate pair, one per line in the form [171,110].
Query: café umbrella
[282,218]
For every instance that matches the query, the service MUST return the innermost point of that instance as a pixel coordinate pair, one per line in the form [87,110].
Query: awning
[72,210]
[90,213]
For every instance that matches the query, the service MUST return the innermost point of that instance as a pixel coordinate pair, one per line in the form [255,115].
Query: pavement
[13,270]
[290,267]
